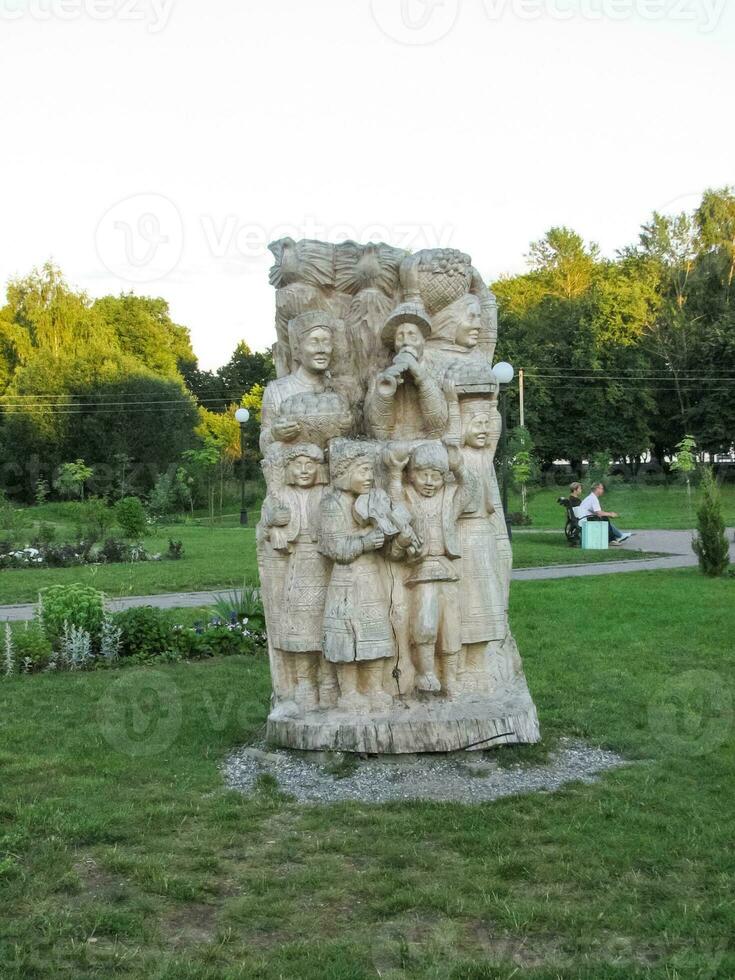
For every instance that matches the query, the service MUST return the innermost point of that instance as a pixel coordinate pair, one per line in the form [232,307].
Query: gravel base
[463,777]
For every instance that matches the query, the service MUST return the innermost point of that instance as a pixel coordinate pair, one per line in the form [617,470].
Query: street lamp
[504,374]
[242,415]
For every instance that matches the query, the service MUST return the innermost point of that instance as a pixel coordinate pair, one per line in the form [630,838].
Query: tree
[98,380]
[522,462]
[685,462]
[563,264]
[710,545]
[143,329]
[219,435]
[72,477]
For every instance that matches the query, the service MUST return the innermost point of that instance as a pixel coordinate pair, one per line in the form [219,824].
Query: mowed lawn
[222,557]
[640,507]
[214,557]
[122,855]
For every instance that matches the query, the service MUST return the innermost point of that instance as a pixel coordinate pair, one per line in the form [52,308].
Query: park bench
[574,530]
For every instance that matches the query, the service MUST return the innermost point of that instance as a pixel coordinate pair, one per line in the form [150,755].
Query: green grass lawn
[532,549]
[213,558]
[121,855]
[639,507]
[221,557]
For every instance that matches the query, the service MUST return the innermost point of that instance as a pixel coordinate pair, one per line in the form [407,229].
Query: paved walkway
[676,545]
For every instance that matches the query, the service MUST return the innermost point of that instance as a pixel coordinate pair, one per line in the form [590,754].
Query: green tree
[522,463]
[710,545]
[72,478]
[143,329]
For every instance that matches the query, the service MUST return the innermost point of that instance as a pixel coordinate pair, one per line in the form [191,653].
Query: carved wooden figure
[358,636]
[291,519]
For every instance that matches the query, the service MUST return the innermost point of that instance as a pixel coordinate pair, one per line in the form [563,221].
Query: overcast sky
[158,145]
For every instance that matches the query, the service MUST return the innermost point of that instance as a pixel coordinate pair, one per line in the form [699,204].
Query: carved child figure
[291,519]
[358,637]
[435,505]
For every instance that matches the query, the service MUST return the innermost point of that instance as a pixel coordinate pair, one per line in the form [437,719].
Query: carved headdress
[343,453]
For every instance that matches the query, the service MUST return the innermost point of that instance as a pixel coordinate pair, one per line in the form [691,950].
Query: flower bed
[72,631]
[113,550]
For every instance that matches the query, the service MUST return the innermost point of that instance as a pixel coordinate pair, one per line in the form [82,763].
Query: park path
[676,546]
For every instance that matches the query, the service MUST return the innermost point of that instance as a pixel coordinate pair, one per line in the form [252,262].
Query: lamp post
[242,415]
[504,375]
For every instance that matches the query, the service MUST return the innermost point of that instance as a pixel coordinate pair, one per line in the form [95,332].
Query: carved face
[478,431]
[361,476]
[316,349]
[302,471]
[426,480]
[468,331]
[409,338]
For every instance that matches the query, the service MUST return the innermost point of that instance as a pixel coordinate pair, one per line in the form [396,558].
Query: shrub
[114,550]
[22,558]
[175,550]
[131,516]
[244,604]
[32,647]
[45,534]
[62,555]
[42,491]
[13,520]
[518,519]
[79,606]
[171,493]
[216,640]
[93,520]
[144,632]
[710,545]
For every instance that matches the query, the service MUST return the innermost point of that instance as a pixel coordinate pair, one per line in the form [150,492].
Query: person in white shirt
[591,509]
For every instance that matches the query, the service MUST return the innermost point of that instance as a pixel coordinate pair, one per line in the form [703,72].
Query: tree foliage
[107,381]
[626,355]
[710,545]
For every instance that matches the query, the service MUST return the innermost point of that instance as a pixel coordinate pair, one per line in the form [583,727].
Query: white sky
[224,124]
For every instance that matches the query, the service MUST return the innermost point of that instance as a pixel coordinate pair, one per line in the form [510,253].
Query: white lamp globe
[242,415]
[503,372]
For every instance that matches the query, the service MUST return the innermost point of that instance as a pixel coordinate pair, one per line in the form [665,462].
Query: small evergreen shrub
[131,516]
[710,545]
[175,550]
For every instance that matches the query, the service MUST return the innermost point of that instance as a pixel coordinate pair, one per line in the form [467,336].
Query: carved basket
[443,276]
[322,416]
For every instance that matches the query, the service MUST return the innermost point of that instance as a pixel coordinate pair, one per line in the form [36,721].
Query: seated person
[591,510]
[575,497]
